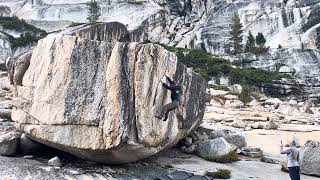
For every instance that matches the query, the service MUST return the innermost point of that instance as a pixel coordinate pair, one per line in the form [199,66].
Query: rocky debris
[199,136]
[231,97]
[271,124]
[238,123]
[98,100]
[218,93]
[257,125]
[273,101]
[213,148]
[5,113]
[231,135]
[215,103]
[233,104]
[268,159]
[183,175]
[189,149]
[251,152]
[28,146]
[310,158]
[236,89]
[17,67]
[55,162]
[9,143]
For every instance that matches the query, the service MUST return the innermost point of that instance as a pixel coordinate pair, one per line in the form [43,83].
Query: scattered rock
[55,162]
[238,123]
[269,159]
[213,148]
[199,136]
[231,135]
[189,150]
[271,125]
[257,125]
[9,143]
[251,152]
[188,141]
[233,104]
[273,101]
[215,103]
[254,103]
[236,89]
[231,97]
[287,109]
[310,158]
[214,92]
[5,113]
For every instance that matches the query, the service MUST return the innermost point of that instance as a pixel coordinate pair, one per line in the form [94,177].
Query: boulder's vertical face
[310,158]
[98,99]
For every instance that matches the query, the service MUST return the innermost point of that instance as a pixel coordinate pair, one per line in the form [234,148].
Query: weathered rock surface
[231,135]
[9,143]
[213,148]
[55,162]
[97,100]
[310,158]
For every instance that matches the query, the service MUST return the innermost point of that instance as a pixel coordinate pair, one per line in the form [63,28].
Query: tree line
[253,44]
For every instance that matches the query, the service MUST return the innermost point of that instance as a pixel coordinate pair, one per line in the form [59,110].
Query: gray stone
[5,113]
[213,148]
[310,158]
[251,152]
[9,143]
[55,162]
[271,124]
[236,89]
[190,149]
[268,159]
[231,135]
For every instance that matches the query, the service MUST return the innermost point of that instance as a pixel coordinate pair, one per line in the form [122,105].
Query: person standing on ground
[293,160]
[175,97]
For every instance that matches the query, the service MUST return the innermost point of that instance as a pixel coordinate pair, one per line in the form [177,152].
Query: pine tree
[260,40]
[93,11]
[250,45]
[279,46]
[236,34]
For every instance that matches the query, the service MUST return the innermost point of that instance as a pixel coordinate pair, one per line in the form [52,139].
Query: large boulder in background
[213,148]
[98,99]
[310,158]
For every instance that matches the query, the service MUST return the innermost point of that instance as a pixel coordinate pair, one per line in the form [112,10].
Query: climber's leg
[170,107]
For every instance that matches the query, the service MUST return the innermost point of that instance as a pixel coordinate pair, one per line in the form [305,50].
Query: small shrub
[220,174]
[228,158]
[168,166]
[73,24]
[220,87]
[245,95]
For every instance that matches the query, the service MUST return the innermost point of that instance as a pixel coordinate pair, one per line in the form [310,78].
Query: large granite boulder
[310,158]
[98,99]
[213,148]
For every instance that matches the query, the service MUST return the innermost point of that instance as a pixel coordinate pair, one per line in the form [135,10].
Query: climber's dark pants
[169,107]
[294,173]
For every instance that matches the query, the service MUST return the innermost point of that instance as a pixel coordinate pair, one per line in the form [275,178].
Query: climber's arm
[170,81]
[166,86]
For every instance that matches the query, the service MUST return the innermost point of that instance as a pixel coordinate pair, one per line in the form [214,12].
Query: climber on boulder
[175,97]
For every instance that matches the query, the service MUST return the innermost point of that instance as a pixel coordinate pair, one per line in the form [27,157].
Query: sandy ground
[241,170]
[269,140]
